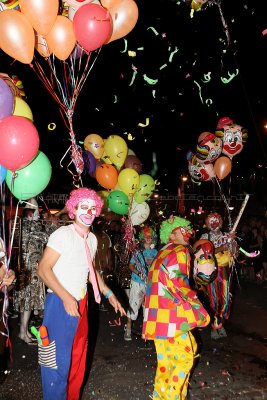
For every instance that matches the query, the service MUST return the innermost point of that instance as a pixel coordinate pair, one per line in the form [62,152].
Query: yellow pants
[175,360]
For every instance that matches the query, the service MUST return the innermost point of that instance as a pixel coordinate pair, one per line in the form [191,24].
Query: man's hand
[71,306]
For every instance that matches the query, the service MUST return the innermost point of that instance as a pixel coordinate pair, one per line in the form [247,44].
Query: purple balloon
[89,163]
[134,163]
[6,99]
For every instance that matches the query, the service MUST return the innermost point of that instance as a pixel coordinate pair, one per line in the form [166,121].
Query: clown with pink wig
[65,268]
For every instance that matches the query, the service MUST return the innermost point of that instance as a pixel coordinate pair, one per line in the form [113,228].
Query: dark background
[176,112]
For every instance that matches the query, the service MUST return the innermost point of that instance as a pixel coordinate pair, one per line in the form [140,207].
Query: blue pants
[61,328]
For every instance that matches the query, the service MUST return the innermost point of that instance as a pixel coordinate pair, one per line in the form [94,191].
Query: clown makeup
[214,223]
[86,212]
[181,235]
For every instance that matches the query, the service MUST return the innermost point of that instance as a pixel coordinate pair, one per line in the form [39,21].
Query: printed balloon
[118,202]
[198,171]
[233,138]
[209,147]
[139,212]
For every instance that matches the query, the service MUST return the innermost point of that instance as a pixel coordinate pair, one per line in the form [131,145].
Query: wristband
[108,294]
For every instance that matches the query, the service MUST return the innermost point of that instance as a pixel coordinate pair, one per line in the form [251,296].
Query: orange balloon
[95,144]
[16,36]
[61,39]
[41,13]
[222,167]
[124,14]
[107,176]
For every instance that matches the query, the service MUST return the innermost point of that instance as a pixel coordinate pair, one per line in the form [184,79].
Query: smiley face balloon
[209,147]
[233,137]
[198,171]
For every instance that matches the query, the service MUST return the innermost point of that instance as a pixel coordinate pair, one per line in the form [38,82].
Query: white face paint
[86,212]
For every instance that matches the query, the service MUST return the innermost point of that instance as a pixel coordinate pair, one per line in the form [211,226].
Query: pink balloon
[19,142]
[92,26]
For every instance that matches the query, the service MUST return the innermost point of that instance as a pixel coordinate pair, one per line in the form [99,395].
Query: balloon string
[225,203]
[45,81]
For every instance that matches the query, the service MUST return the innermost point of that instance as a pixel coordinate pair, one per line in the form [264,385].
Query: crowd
[177,279]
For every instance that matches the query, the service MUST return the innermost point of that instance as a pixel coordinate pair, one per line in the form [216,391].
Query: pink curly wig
[78,195]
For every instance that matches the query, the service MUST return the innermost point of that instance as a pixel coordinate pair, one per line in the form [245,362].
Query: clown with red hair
[65,268]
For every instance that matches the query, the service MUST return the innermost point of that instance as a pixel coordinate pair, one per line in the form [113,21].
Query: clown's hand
[116,304]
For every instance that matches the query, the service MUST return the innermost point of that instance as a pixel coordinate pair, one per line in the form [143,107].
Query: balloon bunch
[214,152]
[62,34]
[26,170]
[118,170]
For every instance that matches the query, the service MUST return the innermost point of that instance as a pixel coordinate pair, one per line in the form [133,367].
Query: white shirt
[71,269]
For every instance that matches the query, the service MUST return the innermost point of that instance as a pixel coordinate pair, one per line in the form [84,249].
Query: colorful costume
[63,361]
[171,311]
[218,291]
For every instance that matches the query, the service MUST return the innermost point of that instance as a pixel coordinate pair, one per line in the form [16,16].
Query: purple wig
[78,195]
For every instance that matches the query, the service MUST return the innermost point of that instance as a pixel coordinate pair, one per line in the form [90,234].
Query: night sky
[187,76]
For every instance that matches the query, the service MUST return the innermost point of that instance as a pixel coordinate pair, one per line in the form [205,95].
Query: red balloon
[19,142]
[92,26]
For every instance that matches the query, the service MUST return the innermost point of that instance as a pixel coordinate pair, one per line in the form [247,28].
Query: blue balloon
[2,174]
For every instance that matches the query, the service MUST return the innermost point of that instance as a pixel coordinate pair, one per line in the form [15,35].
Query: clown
[169,301]
[233,137]
[64,268]
[218,291]
[209,147]
[140,262]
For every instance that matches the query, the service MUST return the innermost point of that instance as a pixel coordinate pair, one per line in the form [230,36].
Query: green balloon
[32,179]
[118,202]
[145,188]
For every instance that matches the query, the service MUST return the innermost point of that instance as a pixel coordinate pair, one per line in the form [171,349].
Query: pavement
[228,369]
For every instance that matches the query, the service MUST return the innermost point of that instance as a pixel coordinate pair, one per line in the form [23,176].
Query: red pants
[78,355]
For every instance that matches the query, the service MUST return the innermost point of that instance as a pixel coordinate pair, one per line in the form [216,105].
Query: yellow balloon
[128,180]
[116,150]
[21,108]
[95,144]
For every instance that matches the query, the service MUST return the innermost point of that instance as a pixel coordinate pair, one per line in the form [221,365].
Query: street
[231,368]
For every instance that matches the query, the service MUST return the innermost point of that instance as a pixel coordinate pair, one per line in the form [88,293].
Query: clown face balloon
[200,172]
[205,270]
[233,137]
[209,147]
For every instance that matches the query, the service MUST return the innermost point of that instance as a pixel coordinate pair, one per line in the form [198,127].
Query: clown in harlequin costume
[66,263]
[172,310]
[218,291]
[140,262]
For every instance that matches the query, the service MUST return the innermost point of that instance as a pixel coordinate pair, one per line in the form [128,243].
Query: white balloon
[139,212]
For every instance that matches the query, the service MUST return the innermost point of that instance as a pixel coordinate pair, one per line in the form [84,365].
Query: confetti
[52,126]
[144,125]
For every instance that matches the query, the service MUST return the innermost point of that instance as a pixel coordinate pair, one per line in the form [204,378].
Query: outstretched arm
[107,292]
